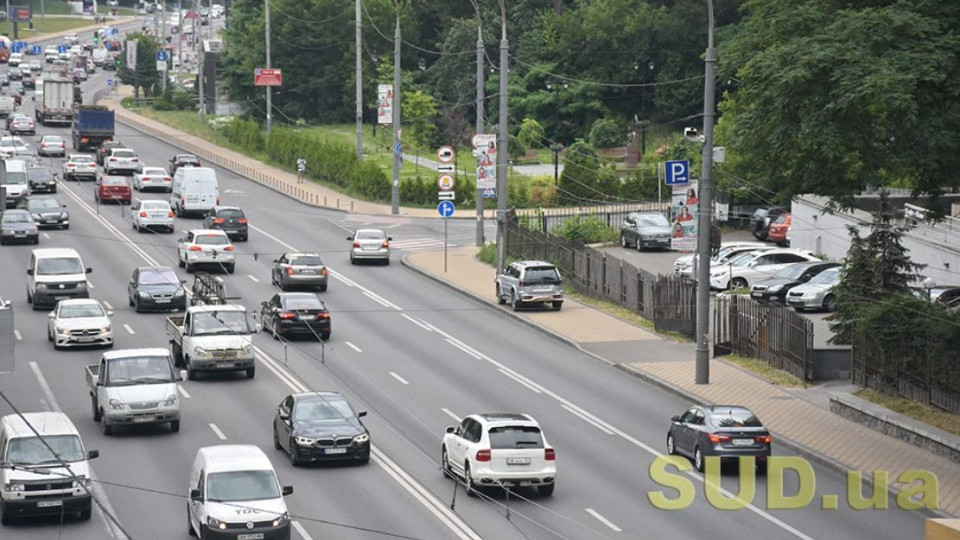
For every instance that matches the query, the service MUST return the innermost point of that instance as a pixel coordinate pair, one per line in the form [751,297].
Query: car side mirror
[361,414]
[29,271]
[675,419]
[51,315]
[195,494]
[109,313]
[88,271]
[276,261]
[451,429]
[283,415]
[264,303]
[62,205]
[93,454]
[349,238]
[182,375]
[287,490]
[257,328]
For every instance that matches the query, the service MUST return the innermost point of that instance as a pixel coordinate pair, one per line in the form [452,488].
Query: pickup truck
[213,338]
[134,387]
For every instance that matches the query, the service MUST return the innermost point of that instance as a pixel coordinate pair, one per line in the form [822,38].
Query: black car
[182,160]
[776,287]
[29,81]
[726,431]
[228,219]
[762,218]
[300,313]
[105,146]
[18,226]
[156,288]
[320,426]
[645,230]
[46,211]
[41,180]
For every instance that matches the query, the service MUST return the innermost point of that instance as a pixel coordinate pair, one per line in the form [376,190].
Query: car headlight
[63,331]
[215,523]
[775,288]
[282,520]
[304,441]
[362,438]
[144,294]
[170,401]
[81,482]
[115,404]
[199,351]
[14,487]
[248,349]
[180,292]
[106,329]
[39,285]
[82,285]
[63,215]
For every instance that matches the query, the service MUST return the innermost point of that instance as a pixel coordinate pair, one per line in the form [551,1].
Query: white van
[7,106]
[195,191]
[15,59]
[13,177]
[62,488]
[234,487]
[56,274]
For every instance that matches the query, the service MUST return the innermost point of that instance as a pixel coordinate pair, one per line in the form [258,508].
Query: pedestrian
[301,169]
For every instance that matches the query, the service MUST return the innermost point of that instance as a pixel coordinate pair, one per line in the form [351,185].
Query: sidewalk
[795,420]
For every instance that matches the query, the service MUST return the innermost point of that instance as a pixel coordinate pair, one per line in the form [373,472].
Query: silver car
[816,294]
[645,230]
[121,160]
[370,244]
[530,282]
[299,270]
[79,321]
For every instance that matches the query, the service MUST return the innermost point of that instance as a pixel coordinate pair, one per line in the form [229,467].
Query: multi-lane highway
[414,354]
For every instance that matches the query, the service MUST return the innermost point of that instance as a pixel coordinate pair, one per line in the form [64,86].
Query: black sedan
[42,180]
[775,288]
[726,431]
[228,219]
[156,288]
[47,211]
[300,313]
[18,226]
[320,426]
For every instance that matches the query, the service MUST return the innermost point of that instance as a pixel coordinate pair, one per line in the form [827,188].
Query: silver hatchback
[526,283]
[299,270]
[370,244]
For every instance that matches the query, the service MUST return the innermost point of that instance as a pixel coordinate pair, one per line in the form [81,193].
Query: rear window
[230,213]
[735,418]
[542,274]
[370,235]
[212,240]
[155,205]
[113,181]
[124,153]
[81,159]
[39,173]
[303,302]
[52,139]
[516,437]
[306,260]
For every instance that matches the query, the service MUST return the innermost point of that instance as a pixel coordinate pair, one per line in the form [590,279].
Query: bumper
[78,175]
[160,223]
[21,238]
[655,243]
[240,232]
[208,259]
[299,280]
[766,296]
[805,303]
[302,328]
[53,152]
[151,303]
[104,340]
[241,532]
[165,186]
[362,254]
[533,297]
[50,298]
[761,452]
[156,416]
[53,223]
[53,505]
[43,187]
[220,364]
[117,168]
[486,477]
[358,452]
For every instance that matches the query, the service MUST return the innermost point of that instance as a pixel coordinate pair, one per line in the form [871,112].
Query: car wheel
[325,337]
[547,490]
[517,303]
[468,480]
[190,530]
[276,440]
[623,241]
[445,463]
[671,445]
[557,306]
[231,268]
[189,267]
[107,428]
[352,261]
[49,335]
[85,514]
[323,288]
[191,373]
[251,372]
[698,459]
[739,283]
[180,262]
[294,458]
[29,298]
[175,426]
[6,519]
[500,299]
[273,331]
[639,245]
[829,302]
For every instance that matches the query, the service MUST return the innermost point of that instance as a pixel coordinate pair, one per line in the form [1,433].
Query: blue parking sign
[678,173]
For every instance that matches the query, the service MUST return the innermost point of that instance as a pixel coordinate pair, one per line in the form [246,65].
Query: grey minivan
[530,282]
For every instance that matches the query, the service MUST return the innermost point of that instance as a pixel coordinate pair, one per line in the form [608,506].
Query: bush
[589,230]
[606,133]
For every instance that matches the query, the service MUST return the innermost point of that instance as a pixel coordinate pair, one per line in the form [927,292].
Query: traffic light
[96,38]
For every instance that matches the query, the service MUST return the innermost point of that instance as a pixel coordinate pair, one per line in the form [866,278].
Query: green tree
[581,172]
[531,133]
[145,76]
[606,133]
[419,112]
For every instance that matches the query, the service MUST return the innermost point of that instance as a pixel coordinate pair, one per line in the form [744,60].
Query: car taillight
[324,315]
[289,271]
[549,454]
[196,248]
[483,455]
[218,220]
[762,439]
[228,248]
[112,160]
[135,160]
[84,139]
[170,214]
[521,283]
[218,199]
[718,438]
[356,244]
[385,244]
[323,271]
[288,315]
[143,214]
[71,165]
[242,221]
[166,178]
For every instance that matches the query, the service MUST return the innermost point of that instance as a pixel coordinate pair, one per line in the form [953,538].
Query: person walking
[301,169]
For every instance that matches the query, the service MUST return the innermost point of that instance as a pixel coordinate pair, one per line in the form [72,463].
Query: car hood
[83,322]
[160,288]
[811,288]
[240,511]
[653,229]
[143,392]
[322,428]
[53,474]
[19,226]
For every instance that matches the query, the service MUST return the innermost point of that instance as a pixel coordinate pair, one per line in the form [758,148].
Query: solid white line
[416,322]
[376,299]
[89,284]
[128,329]
[587,420]
[381,299]
[299,528]
[217,431]
[16,333]
[464,348]
[352,346]
[450,414]
[107,304]
[399,378]
[519,380]
[182,391]
[47,236]
[603,520]
[255,280]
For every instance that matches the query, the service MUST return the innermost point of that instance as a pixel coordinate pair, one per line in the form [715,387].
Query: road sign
[109,82]
[36,49]
[398,149]
[267,77]
[678,173]
[445,154]
[162,56]
[445,196]
[445,168]
[161,65]
[61,48]
[446,182]
[445,209]
[489,193]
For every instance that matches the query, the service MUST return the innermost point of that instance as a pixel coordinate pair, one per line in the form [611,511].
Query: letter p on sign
[678,172]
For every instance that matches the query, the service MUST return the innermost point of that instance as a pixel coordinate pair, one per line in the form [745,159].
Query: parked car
[52,145]
[499,450]
[47,211]
[183,160]
[112,189]
[121,160]
[17,225]
[320,426]
[79,166]
[370,244]
[156,288]
[756,266]
[725,431]
[645,230]
[151,214]
[229,219]
[80,321]
[153,178]
[684,265]
[779,229]
[530,282]
[105,146]
[299,270]
[300,313]
[816,294]
[762,218]
[775,289]
[41,180]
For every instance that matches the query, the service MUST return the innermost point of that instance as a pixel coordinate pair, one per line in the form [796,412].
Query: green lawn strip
[927,414]
[41,27]
[766,371]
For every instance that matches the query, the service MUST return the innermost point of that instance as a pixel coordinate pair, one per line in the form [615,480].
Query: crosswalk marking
[419,244]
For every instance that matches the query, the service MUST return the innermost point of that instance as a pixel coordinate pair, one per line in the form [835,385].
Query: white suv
[499,450]
[206,247]
[530,282]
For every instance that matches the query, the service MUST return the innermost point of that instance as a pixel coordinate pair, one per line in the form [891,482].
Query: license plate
[307,317]
[50,221]
[49,504]
[756,294]
[162,300]
[518,461]
[743,442]
[60,297]
[542,290]
[20,234]
[251,536]
[226,364]
[335,451]
[144,418]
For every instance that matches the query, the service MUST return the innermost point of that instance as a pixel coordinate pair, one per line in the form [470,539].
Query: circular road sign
[445,154]
[445,182]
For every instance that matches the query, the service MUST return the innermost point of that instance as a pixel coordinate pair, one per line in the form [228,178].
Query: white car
[153,178]
[52,145]
[80,321]
[684,265]
[121,160]
[80,166]
[500,449]
[747,269]
[15,59]
[11,144]
[50,54]
[206,247]
[151,214]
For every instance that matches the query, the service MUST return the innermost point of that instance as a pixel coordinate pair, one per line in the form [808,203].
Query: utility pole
[163,39]
[200,76]
[266,16]
[481,128]
[180,35]
[395,194]
[502,144]
[705,218]
[359,77]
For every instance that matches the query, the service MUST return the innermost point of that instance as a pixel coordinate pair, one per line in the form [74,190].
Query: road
[416,355]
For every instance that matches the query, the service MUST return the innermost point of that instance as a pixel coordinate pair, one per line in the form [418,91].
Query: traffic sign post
[445,209]
[446,183]
[678,173]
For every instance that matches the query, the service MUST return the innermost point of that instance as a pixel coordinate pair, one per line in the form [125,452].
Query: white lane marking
[381,299]
[464,349]
[217,431]
[603,520]
[95,488]
[399,378]
[128,329]
[300,529]
[89,284]
[46,236]
[354,347]
[375,298]
[416,322]
[451,414]
[16,334]
[255,280]
[107,304]
[588,420]
[519,380]
[182,392]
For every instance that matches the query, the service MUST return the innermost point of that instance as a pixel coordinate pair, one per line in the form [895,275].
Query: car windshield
[220,322]
[652,220]
[155,205]
[516,437]
[741,260]
[113,180]
[541,274]
[77,311]
[124,154]
[827,277]
[187,160]
[158,277]
[306,260]
[16,217]
[230,213]
[139,370]
[150,171]
[39,173]
[57,266]
[42,204]
[302,301]
[15,178]
[734,418]
[370,235]
[52,139]
[211,240]
[322,408]
[793,271]
[236,486]
[27,451]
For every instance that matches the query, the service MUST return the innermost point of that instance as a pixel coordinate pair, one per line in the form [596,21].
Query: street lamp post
[502,143]
[395,193]
[555,147]
[480,127]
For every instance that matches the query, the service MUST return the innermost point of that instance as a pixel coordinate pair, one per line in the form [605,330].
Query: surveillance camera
[690,133]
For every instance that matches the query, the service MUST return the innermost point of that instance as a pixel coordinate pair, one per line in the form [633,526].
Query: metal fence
[771,332]
[546,219]
[668,301]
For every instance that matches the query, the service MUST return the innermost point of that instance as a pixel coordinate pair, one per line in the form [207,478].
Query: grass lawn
[918,411]
[49,25]
[766,371]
